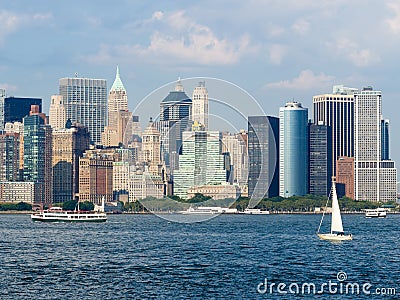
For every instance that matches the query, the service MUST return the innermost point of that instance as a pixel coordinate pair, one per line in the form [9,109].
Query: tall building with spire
[85,100]
[119,128]
[117,100]
[200,105]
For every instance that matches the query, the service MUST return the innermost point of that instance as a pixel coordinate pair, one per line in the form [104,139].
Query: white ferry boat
[375,213]
[255,211]
[57,214]
[209,210]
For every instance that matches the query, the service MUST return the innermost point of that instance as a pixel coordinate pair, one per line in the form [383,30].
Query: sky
[276,51]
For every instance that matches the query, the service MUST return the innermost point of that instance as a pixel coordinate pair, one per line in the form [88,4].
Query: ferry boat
[57,214]
[208,210]
[375,213]
[255,211]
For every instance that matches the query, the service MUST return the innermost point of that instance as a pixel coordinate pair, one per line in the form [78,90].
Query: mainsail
[336,225]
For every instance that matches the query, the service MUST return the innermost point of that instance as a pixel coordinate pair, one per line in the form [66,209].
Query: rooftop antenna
[76,74]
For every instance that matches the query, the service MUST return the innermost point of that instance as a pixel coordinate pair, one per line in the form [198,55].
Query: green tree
[69,205]
[86,206]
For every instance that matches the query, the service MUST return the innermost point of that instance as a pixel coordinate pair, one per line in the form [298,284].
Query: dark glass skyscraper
[385,139]
[16,108]
[177,108]
[320,159]
[263,146]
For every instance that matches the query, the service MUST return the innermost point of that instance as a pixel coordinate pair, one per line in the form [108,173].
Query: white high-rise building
[375,179]
[2,97]
[57,113]
[200,105]
[85,100]
[336,110]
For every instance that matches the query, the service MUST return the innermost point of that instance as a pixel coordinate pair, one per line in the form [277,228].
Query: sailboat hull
[335,237]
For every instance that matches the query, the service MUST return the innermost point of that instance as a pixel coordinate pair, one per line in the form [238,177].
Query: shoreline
[27,212]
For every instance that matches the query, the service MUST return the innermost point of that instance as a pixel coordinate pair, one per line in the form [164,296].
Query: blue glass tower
[293,150]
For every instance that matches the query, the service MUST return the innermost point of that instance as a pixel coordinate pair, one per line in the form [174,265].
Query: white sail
[336,225]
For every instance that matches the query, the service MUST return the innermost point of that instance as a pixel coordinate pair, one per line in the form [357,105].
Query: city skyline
[276,52]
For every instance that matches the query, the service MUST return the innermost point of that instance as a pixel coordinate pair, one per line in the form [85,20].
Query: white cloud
[11,22]
[394,23]
[276,53]
[351,50]
[301,26]
[179,39]
[305,81]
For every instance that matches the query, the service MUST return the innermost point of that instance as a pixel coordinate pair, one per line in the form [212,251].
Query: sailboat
[337,232]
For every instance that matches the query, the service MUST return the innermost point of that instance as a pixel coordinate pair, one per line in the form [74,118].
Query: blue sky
[275,50]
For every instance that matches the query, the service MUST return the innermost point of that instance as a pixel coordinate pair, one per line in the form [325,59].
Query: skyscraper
[16,108]
[151,148]
[176,106]
[320,159]
[385,139]
[69,144]
[85,101]
[96,175]
[37,154]
[375,179]
[9,156]
[2,97]
[263,151]
[57,114]
[117,100]
[201,162]
[293,150]
[200,105]
[337,111]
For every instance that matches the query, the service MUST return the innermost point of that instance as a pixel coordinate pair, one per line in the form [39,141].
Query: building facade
[16,108]
[9,156]
[200,105]
[375,179]
[263,155]
[336,110]
[96,176]
[85,100]
[201,162]
[57,113]
[69,144]
[37,154]
[320,149]
[293,150]
[177,106]
[345,176]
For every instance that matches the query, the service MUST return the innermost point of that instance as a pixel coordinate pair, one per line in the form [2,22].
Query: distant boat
[57,214]
[255,211]
[209,210]
[337,232]
[375,213]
